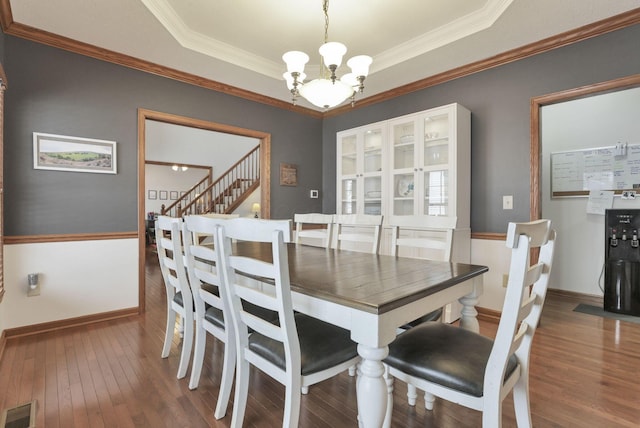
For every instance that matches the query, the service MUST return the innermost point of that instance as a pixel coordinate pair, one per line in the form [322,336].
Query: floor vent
[23,416]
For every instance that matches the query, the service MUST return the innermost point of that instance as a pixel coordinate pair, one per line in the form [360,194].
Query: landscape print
[63,153]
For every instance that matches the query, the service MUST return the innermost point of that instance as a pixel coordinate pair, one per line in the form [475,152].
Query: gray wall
[59,92]
[499,100]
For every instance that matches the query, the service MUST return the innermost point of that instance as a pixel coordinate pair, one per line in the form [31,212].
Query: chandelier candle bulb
[295,61]
[332,53]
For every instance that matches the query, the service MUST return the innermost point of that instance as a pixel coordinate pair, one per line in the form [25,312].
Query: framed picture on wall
[163,195]
[152,194]
[75,154]
[288,174]
[173,195]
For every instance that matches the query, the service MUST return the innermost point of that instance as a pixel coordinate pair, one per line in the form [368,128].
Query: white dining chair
[320,233]
[424,237]
[179,299]
[297,351]
[472,370]
[201,259]
[358,232]
[207,239]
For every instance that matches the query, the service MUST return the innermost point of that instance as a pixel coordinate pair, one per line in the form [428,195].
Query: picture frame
[163,195]
[288,174]
[74,154]
[152,194]
[173,195]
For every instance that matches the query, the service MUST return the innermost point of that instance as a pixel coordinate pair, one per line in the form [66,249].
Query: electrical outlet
[507,202]
[33,281]
[505,279]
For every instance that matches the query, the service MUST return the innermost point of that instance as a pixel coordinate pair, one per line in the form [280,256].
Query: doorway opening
[149,115]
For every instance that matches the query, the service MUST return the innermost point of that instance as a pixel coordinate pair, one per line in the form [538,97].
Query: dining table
[372,295]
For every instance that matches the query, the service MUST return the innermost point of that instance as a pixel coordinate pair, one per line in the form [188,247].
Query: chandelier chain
[325,8]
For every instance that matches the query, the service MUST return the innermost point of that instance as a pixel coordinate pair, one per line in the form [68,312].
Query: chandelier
[326,91]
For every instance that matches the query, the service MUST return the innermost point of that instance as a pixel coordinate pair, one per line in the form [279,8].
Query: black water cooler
[622,262]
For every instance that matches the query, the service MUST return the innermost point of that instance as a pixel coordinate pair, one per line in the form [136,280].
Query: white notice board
[577,172]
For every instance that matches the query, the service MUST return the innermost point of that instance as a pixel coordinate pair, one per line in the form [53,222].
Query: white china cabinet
[414,165]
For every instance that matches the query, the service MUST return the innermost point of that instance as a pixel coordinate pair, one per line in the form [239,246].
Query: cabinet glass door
[436,140]
[373,151]
[436,184]
[349,192]
[403,193]
[373,172]
[349,152]
[436,165]
[403,145]
[404,167]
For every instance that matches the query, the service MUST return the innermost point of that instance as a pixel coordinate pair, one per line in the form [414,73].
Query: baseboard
[3,342]
[488,315]
[491,315]
[578,297]
[67,323]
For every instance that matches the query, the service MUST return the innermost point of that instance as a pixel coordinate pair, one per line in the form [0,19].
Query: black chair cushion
[449,356]
[178,298]
[259,311]
[212,289]
[214,316]
[207,287]
[431,316]
[322,345]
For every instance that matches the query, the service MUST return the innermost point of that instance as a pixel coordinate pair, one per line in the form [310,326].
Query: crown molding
[44,37]
[573,36]
[457,29]
[209,46]
[595,29]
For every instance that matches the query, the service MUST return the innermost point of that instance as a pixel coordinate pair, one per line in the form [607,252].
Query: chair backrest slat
[431,233]
[357,228]
[324,234]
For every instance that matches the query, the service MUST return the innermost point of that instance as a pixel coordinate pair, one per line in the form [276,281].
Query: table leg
[371,386]
[469,315]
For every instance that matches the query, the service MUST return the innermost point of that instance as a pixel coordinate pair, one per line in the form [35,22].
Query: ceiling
[241,42]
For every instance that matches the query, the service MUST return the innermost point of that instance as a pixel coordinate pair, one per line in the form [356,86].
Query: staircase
[225,194]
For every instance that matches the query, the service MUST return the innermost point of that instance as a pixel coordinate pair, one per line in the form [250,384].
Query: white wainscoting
[77,278]
[497,257]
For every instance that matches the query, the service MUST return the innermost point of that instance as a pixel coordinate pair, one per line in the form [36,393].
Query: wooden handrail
[187,196]
[221,196]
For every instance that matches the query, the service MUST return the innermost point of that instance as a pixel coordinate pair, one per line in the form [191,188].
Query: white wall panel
[76,279]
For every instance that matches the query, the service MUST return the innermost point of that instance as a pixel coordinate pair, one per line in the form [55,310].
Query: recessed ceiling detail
[449,27]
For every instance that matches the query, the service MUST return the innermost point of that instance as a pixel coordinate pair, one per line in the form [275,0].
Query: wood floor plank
[50,404]
[583,374]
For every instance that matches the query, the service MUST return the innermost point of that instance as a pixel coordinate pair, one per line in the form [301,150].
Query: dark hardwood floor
[585,373]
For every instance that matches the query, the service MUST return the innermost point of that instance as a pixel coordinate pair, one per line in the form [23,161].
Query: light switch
[507,202]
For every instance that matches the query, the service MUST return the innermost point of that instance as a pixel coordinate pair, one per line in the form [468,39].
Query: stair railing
[227,192]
